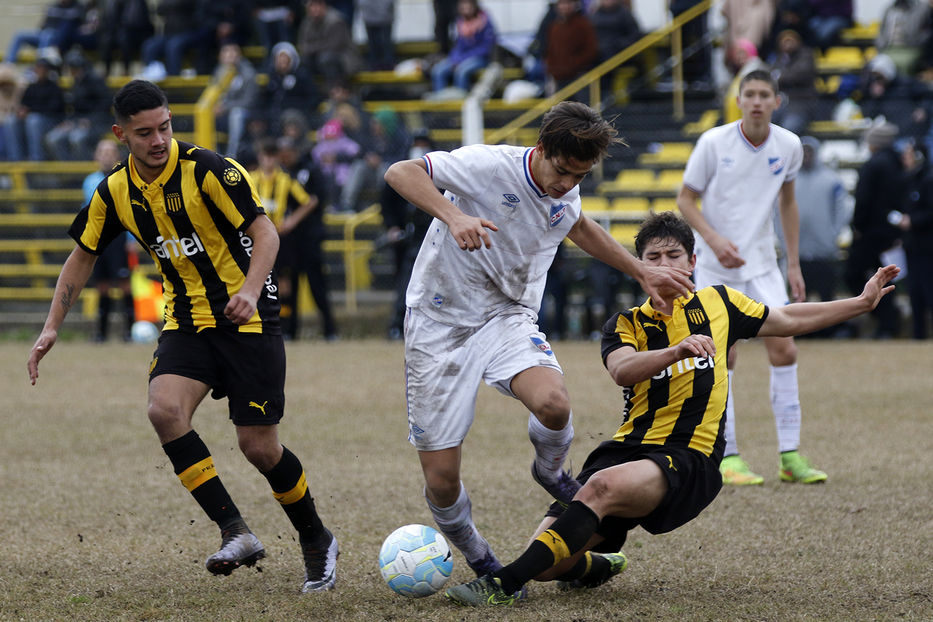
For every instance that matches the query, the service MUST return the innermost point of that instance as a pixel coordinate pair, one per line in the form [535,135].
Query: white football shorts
[768,288]
[444,365]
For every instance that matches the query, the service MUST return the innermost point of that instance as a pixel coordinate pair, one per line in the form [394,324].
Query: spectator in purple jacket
[472,50]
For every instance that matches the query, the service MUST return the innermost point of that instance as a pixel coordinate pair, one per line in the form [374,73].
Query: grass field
[95,525]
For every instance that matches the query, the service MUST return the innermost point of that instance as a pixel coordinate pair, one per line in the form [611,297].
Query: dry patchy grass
[96,526]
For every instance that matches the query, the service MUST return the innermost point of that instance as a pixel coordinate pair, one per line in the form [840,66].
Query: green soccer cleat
[484,591]
[735,472]
[796,468]
[617,563]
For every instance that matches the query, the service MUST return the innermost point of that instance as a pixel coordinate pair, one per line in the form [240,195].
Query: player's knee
[596,493]
[164,416]
[553,410]
[783,352]
[261,454]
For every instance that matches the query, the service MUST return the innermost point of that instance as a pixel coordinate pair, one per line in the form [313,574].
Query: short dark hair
[136,96]
[574,130]
[664,226]
[760,74]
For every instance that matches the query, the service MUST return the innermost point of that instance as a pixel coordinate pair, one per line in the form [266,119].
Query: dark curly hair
[664,226]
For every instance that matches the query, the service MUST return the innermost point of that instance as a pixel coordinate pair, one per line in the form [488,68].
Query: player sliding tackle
[661,468]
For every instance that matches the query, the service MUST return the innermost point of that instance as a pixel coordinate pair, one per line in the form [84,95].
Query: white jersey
[739,184]
[462,288]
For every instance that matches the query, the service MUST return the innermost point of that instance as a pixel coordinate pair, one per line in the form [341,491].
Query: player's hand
[42,346]
[726,252]
[666,282]
[470,232]
[240,308]
[877,287]
[701,346]
[798,289]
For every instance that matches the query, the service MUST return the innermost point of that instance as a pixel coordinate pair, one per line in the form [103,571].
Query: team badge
[438,300]
[696,316]
[173,201]
[557,213]
[232,176]
[775,165]
[542,345]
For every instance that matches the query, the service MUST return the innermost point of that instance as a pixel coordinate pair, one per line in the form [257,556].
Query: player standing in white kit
[741,170]
[472,315]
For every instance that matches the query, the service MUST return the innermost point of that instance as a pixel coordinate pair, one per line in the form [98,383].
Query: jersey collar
[749,143]
[679,303]
[529,177]
[163,176]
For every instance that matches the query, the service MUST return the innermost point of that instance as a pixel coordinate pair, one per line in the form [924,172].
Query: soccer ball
[144,332]
[415,561]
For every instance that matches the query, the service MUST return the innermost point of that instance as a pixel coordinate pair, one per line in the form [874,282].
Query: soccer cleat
[735,472]
[236,549]
[488,565]
[485,590]
[796,468]
[617,563]
[562,490]
[320,566]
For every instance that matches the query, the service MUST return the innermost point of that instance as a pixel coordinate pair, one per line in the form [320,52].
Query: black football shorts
[246,368]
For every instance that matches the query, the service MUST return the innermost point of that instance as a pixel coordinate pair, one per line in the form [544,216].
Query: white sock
[732,447]
[551,446]
[785,402]
[456,523]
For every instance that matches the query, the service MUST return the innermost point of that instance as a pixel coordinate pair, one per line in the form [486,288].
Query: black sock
[287,479]
[129,311]
[103,316]
[195,468]
[567,535]
[587,565]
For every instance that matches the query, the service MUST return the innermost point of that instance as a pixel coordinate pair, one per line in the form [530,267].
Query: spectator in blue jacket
[472,50]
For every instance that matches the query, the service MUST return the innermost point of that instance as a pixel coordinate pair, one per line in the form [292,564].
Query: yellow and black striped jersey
[192,220]
[685,403]
[280,193]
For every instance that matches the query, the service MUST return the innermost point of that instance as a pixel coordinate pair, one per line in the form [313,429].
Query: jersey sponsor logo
[177,247]
[271,288]
[232,176]
[542,345]
[775,165]
[173,201]
[557,213]
[684,366]
[261,407]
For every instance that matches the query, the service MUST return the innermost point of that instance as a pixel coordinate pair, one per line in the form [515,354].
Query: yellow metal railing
[355,252]
[205,134]
[591,78]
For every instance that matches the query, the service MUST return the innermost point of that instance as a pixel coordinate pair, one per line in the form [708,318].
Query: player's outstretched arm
[75,273]
[661,283]
[628,366]
[805,317]
[411,180]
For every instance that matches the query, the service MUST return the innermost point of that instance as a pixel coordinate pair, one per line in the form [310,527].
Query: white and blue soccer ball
[415,561]
[144,332]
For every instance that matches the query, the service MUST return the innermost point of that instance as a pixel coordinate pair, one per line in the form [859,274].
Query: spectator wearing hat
[880,185]
[86,118]
[893,96]
[40,109]
[290,86]
[334,154]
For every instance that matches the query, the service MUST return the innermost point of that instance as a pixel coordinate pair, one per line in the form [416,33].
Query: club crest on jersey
[437,300]
[173,201]
[542,345]
[557,213]
[775,165]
